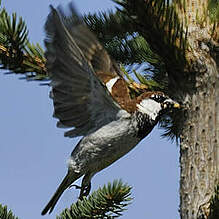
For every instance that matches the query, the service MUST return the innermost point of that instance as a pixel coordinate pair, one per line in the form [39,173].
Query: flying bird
[92,99]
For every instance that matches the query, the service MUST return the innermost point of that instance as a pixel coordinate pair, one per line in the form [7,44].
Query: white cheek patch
[149,107]
[111,82]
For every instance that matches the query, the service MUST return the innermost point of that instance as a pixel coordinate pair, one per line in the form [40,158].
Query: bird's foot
[85,190]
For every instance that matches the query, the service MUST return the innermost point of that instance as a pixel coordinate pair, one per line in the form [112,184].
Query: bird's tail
[67,181]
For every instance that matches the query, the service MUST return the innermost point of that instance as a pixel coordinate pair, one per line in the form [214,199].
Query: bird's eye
[158,98]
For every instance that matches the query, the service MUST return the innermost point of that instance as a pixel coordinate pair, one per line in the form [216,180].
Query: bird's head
[154,104]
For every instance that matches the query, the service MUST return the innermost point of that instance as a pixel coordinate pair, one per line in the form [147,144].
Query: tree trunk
[199,149]
[199,153]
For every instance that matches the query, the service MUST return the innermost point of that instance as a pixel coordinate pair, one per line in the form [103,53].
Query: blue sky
[33,151]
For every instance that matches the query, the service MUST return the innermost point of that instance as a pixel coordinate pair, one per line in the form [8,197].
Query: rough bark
[199,151]
[199,148]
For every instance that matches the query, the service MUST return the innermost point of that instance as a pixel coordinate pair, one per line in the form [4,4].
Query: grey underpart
[97,151]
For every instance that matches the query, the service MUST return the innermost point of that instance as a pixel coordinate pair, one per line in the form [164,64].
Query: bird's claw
[85,190]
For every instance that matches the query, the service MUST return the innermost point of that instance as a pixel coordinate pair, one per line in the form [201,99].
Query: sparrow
[92,99]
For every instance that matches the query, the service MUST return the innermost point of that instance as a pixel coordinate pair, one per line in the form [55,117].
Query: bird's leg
[85,190]
[85,185]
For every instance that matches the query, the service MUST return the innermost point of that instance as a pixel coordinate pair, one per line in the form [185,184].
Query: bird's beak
[170,103]
[176,105]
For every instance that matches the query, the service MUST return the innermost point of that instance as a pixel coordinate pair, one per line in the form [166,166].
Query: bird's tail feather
[67,181]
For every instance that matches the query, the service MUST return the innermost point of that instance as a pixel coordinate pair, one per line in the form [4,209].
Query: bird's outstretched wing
[78,66]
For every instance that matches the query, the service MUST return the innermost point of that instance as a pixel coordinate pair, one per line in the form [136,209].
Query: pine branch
[158,23]
[17,54]
[106,25]
[107,202]
[5,214]
[118,35]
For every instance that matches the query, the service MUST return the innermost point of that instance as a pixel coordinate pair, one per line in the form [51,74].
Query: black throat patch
[144,124]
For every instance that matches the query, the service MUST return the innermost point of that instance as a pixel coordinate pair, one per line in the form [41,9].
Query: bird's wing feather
[80,99]
[92,50]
